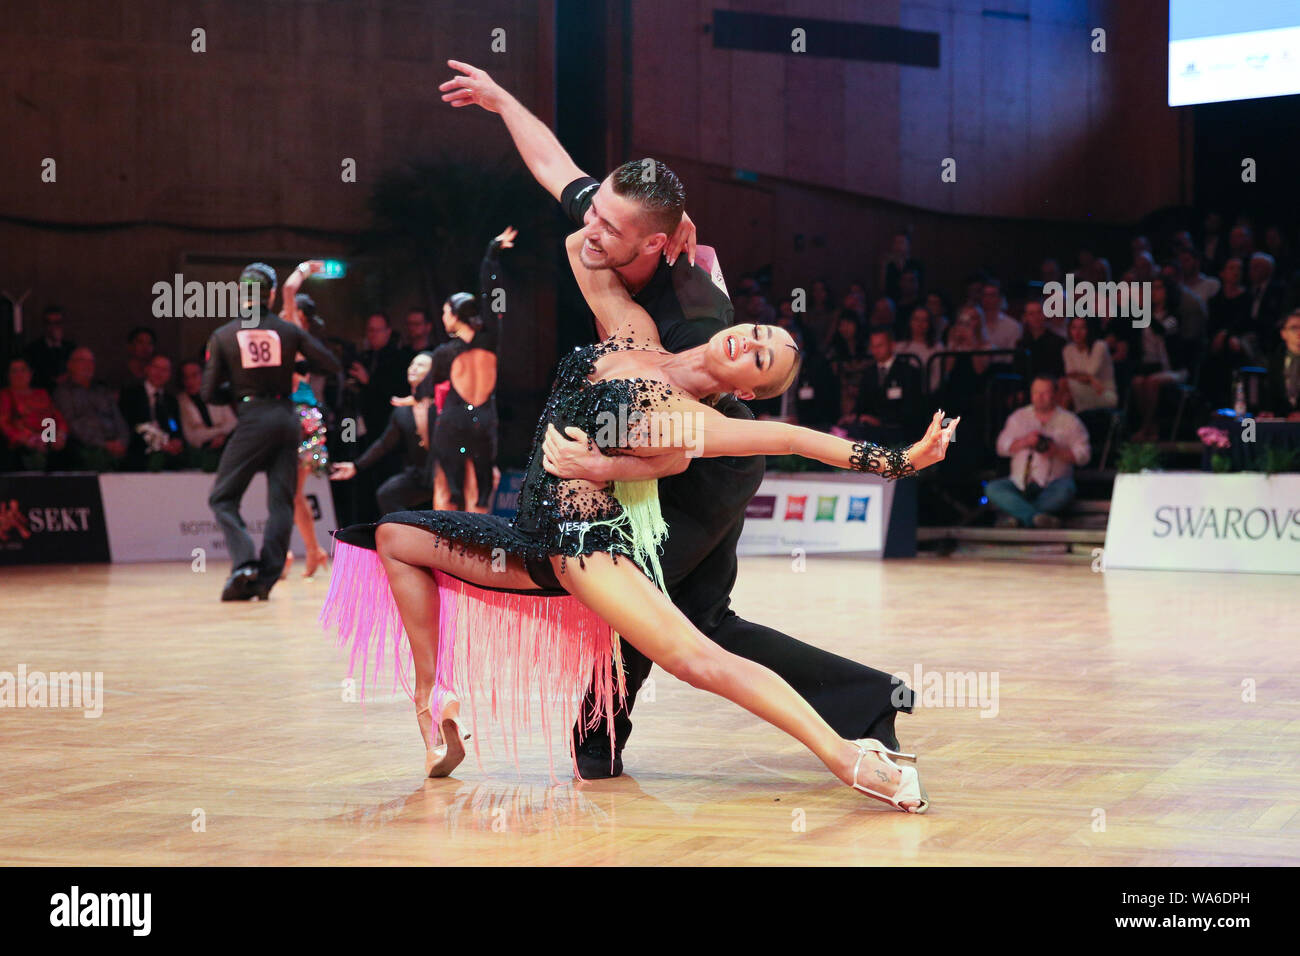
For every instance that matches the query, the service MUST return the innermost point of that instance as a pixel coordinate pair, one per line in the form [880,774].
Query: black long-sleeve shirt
[258,360]
[704,505]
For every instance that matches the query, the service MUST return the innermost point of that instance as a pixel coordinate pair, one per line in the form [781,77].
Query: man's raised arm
[541,152]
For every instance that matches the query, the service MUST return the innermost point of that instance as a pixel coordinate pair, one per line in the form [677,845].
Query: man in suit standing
[889,400]
[149,402]
[255,355]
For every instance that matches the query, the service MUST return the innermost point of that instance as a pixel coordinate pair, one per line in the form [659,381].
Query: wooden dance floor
[1139,719]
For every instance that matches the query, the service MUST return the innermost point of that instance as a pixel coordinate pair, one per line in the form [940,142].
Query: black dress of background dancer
[705,510]
[256,358]
[413,485]
[466,431]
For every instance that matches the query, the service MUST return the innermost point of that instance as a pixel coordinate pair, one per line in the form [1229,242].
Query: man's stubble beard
[608,264]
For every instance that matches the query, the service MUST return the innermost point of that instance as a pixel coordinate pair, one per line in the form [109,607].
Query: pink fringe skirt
[516,660]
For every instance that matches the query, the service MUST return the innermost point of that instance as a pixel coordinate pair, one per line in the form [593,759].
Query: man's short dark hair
[883,330]
[1047,377]
[382,314]
[655,188]
[189,361]
[52,310]
[153,336]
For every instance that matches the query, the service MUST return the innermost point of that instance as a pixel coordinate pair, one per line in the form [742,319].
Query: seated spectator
[882,315]
[154,419]
[140,344]
[205,427]
[1275,245]
[856,300]
[1241,241]
[1143,268]
[1045,443]
[1191,276]
[1281,398]
[909,293]
[30,423]
[936,303]
[1049,270]
[819,319]
[1000,329]
[377,375]
[848,357]
[897,261]
[418,329]
[967,334]
[47,357]
[889,401]
[1267,298]
[1089,371]
[97,431]
[1158,363]
[787,320]
[1212,248]
[922,342]
[1042,346]
[758,309]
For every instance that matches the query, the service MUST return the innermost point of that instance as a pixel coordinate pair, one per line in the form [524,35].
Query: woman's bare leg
[302,515]
[643,615]
[410,555]
[441,493]
[471,489]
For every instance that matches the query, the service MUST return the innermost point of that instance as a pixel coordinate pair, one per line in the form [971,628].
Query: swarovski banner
[1195,521]
[165,517]
[820,514]
[51,518]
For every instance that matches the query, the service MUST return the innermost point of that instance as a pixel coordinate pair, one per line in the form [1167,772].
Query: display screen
[1233,50]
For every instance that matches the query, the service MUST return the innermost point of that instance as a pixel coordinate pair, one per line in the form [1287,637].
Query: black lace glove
[888,463]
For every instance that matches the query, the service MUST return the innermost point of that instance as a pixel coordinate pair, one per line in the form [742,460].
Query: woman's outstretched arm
[616,312]
[682,425]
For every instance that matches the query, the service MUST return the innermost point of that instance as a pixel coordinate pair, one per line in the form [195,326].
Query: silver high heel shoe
[446,755]
[910,788]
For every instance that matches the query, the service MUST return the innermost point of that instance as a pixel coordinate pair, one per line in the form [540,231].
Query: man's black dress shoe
[241,585]
[594,762]
[262,586]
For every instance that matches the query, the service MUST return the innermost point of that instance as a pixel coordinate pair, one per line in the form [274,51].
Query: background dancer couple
[668,347]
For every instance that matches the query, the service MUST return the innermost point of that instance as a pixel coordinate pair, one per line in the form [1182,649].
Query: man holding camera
[1044,442]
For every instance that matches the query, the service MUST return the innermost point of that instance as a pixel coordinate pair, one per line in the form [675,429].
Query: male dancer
[629,219]
[256,356]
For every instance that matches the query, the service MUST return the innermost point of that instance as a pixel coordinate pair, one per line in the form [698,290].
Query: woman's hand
[343,471]
[682,240]
[397,401]
[507,238]
[934,443]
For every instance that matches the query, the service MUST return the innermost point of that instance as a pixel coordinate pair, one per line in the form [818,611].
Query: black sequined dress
[555,516]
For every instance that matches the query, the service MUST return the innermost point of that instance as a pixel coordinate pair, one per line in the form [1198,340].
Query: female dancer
[313,456]
[465,438]
[409,428]
[559,520]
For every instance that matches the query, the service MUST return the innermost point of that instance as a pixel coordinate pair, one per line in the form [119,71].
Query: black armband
[888,463]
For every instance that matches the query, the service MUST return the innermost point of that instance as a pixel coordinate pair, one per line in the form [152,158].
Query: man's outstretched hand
[473,88]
